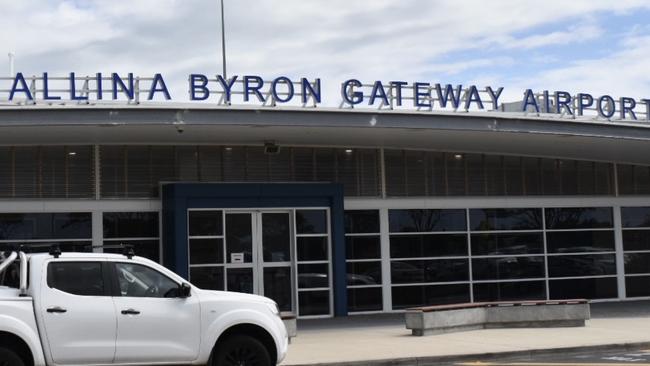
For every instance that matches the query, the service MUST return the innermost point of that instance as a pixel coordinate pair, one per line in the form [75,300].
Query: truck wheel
[9,358]
[241,350]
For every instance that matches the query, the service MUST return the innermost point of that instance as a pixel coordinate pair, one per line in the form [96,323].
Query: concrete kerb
[489,356]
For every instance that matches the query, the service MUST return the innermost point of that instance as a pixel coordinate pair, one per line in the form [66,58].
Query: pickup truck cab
[109,309]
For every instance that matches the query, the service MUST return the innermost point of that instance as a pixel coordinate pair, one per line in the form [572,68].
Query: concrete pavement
[364,339]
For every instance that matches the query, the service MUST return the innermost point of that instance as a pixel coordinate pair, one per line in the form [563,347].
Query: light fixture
[228,148]
[348,151]
[458,156]
[72,153]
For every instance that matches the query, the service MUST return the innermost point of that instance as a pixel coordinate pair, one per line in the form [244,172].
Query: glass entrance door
[258,254]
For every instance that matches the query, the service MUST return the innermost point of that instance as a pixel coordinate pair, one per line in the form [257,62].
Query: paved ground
[361,339]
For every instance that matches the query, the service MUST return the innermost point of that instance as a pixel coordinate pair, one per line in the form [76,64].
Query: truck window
[77,278]
[140,281]
[10,277]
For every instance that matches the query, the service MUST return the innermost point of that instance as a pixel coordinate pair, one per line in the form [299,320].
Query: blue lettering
[628,105]
[128,90]
[450,92]
[46,89]
[529,99]
[397,85]
[227,86]
[349,95]
[494,96]
[19,78]
[201,88]
[274,90]
[611,107]
[473,96]
[255,89]
[310,90]
[100,92]
[418,92]
[378,91]
[563,99]
[73,89]
[584,101]
[158,79]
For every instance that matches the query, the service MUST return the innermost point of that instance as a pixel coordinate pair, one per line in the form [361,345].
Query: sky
[594,46]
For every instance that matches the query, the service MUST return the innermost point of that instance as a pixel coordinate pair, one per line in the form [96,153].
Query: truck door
[154,324]
[78,312]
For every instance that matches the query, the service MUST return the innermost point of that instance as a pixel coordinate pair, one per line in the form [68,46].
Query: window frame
[104,267]
[115,282]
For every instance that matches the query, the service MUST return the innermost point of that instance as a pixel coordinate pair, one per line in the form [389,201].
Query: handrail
[23,273]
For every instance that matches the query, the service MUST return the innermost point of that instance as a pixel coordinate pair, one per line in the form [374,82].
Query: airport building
[337,211]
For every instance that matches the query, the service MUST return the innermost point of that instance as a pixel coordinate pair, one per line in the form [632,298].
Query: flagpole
[223,41]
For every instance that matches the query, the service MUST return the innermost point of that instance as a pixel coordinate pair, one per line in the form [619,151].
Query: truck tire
[241,350]
[9,358]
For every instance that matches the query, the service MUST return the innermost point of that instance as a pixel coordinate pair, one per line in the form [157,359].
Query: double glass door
[258,246]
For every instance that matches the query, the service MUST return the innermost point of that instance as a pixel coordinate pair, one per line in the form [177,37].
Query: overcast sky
[595,46]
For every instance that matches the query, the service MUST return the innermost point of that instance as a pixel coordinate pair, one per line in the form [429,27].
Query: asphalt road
[639,357]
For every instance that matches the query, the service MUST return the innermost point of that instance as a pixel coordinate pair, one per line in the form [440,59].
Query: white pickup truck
[110,309]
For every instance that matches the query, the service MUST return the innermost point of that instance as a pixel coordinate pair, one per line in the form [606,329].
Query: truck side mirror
[185,290]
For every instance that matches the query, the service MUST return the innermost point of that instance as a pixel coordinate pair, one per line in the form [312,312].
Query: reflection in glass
[208,278]
[364,273]
[277,286]
[637,286]
[312,248]
[240,280]
[438,270]
[364,299]
[635,216]
[130,225]
[580,241]
[205,223]
[579,218]
[637,263]
[511,243]
[410,296]
[361,221]
[144,248]
[423,221]
[311,221]
[431,245]
[73,225]
[362,247]
[276,237]
[636,239]
[582,265]
[313,303]
[313,275]
[506,219]
[510,291]
[588,288]
[206,251]
[505,268]
[239,236]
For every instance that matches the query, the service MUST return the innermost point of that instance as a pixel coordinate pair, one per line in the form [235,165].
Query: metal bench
[439,319]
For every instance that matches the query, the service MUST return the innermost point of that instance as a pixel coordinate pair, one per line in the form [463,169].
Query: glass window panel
[6,172]
[637,286]
[347,164]
[439,270]
[433,245]
[113,175]
[206,251]
[476,184]
[510,291]
[239,236]
[395,172]
[506,219]
[569,176]
[361,221]
[138,167]
[277,286]
[363,247]
[162,167]
[637,263]
[426,220]
[365,299]
[234,164]
[411,296]
[75,225]
[257,164]
[636,239]
[325,164]
[276,237]
[313,303]
[135,280]
[633,179]
[437,178]
[579,218]
[130,225]
[455,168]
[505,268]
[280,166]
[369,172]
[313,275]
[588,288]
[582,265]
[303,164]
[551,177]
[495,176]
[207,278]
[26,160]
[532,176]
[364,273]
[514,175]
[144,248]
[312,248]
[416,174]
[580,241]
[240,280]
[311,221]
[635,216]
[77,278]
[510,243]
[586,174]
[187,163]
[205,223]
[604,180]
[209,160]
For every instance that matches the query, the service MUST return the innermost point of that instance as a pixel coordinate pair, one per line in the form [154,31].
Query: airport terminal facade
[337,211]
